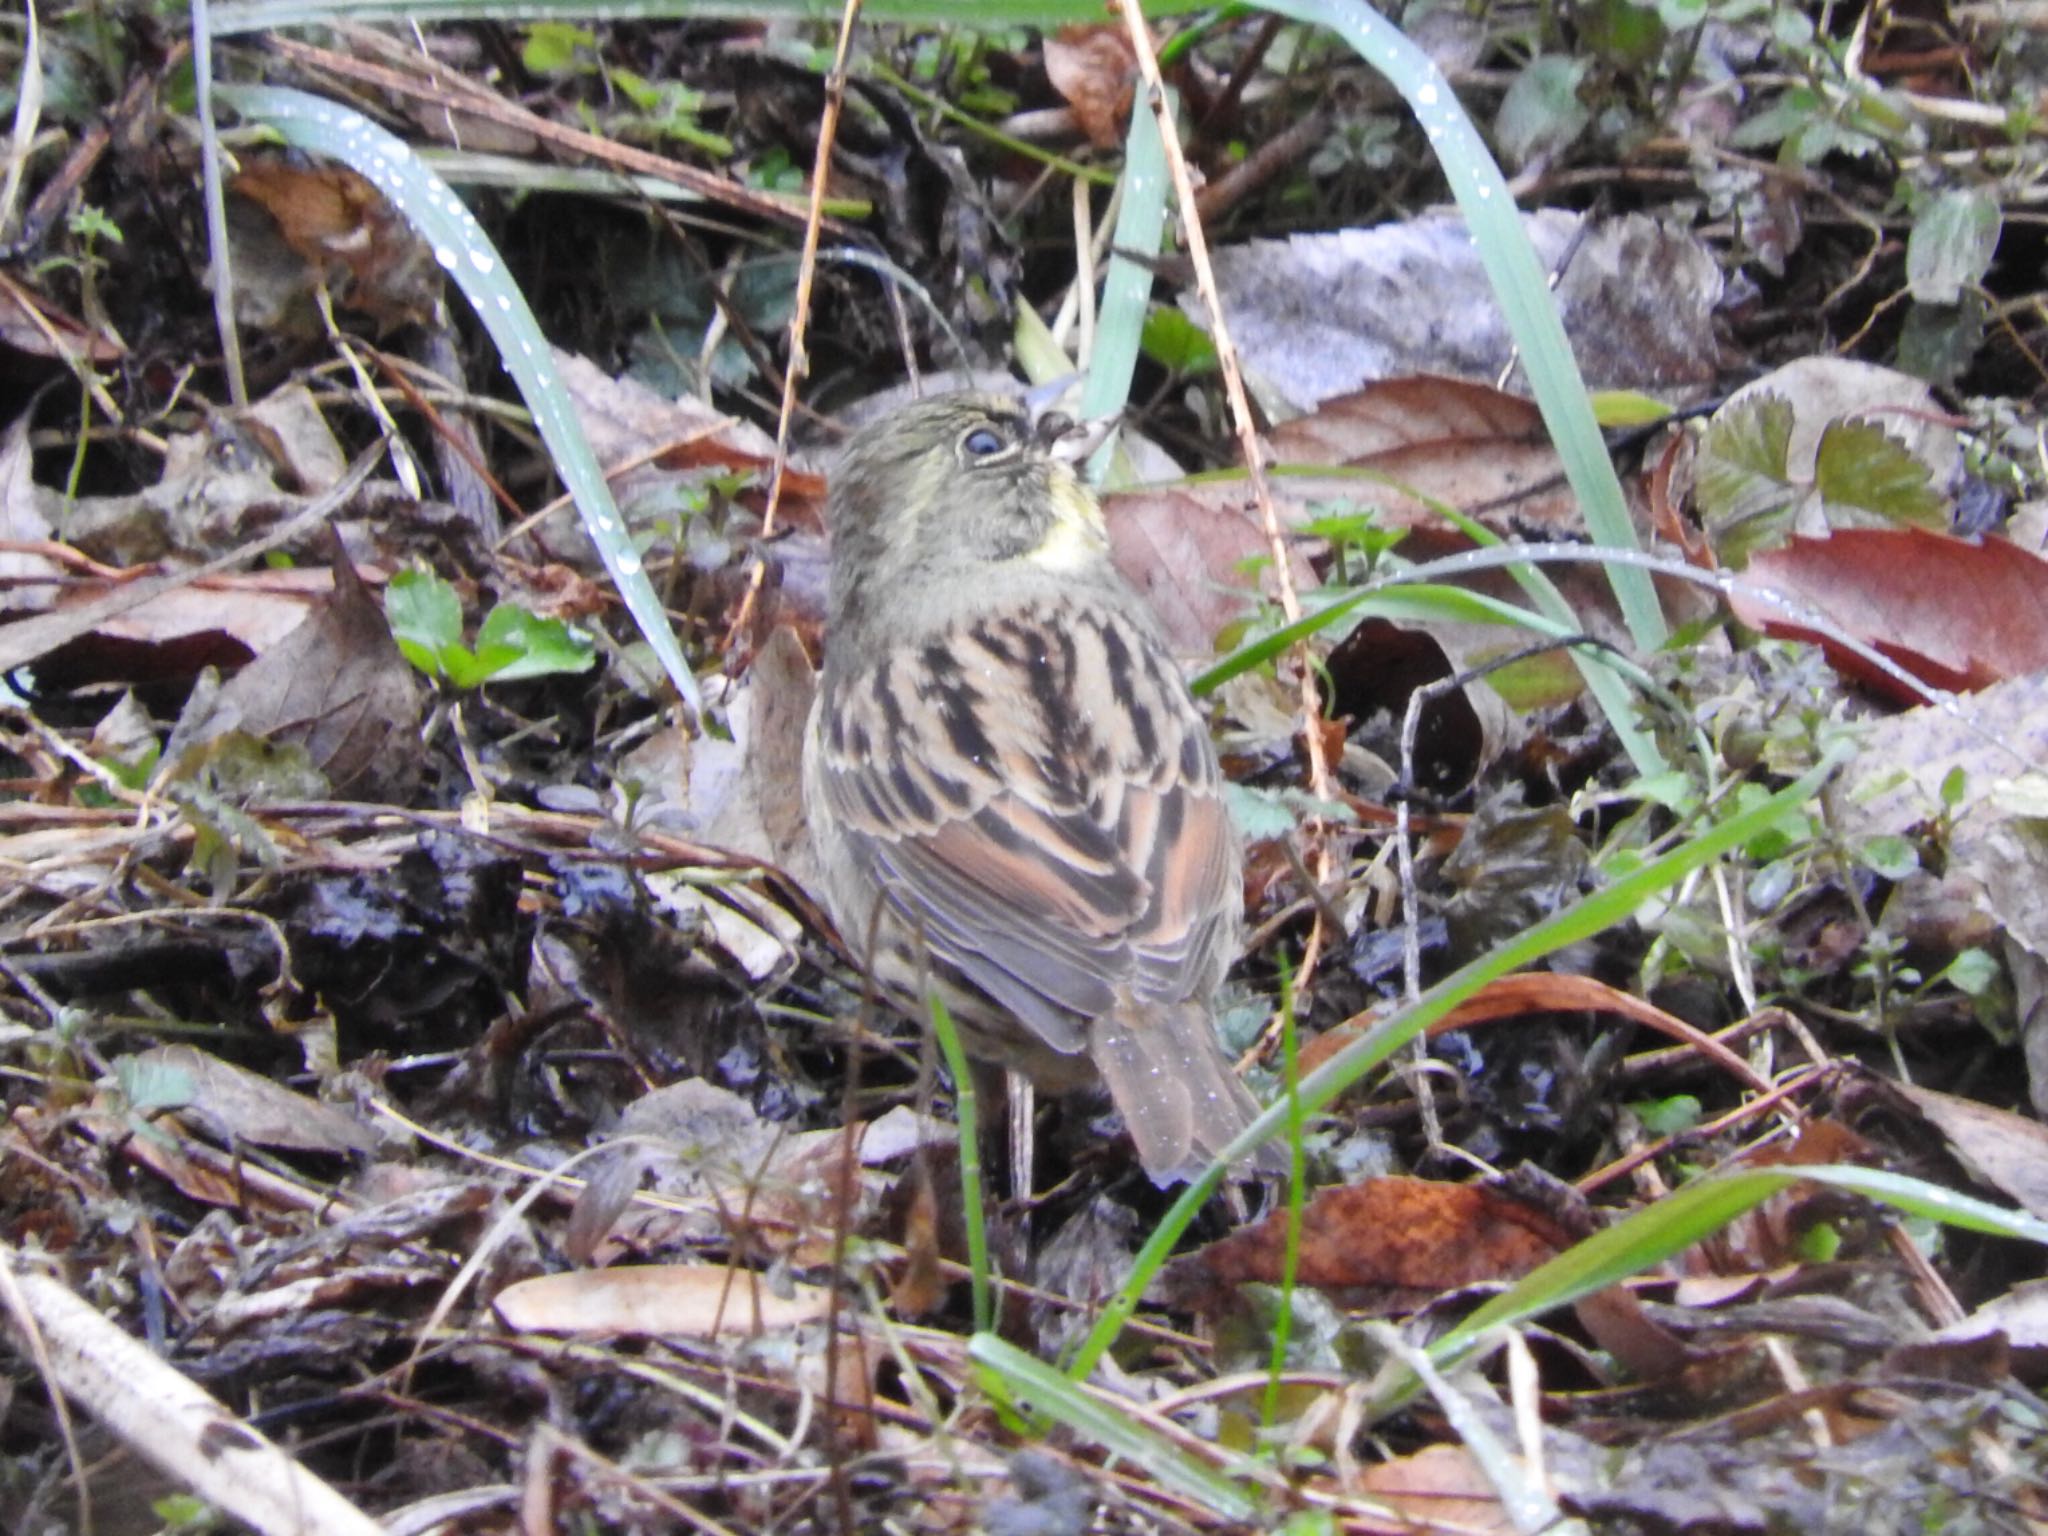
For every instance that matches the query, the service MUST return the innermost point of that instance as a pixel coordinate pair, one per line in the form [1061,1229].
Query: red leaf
[1953,613]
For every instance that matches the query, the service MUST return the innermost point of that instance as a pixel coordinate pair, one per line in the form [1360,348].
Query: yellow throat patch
[1078,536]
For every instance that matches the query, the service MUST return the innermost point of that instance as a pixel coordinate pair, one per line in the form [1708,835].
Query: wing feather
[1034,793]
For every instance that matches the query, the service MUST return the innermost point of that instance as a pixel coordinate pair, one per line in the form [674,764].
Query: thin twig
[806,274]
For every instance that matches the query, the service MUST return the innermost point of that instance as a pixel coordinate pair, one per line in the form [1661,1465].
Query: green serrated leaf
[1668,1117]
[1743,484]
[1620,33]
[1792,29]
[239,768]
[636,88]
[425,660]
[1972,973]
[1674,789]
[465,668]
[1951,245]
[1259,813]
[155,1083]
[1544,681]
[1860,467]
[1938,342]
[1778,122]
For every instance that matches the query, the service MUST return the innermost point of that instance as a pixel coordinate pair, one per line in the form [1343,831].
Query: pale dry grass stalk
[1320,782]
[799,321]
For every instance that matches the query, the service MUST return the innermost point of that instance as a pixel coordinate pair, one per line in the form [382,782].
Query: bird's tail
[1175,1088]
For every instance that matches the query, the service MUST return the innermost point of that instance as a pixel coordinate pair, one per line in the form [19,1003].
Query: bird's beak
[1073,442]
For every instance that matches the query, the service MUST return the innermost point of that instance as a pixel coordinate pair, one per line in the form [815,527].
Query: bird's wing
[1035,793]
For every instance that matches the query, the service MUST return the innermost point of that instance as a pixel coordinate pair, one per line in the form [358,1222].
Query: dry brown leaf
[1094,69]
[238,1106]
[217,621]
[628,424]
[1442,1489]
[1388,1234]
[23,524]
[696,1301]
[295,437]
[1547,992]
[338,686]
[755,806]
[1318,315]
[351,239]
[1766,1237]
[2009,1152]
[1184,551]
[2021,1314]
[31,326]
[1480,450]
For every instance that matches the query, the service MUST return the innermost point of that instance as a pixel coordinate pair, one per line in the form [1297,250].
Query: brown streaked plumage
[1008,783]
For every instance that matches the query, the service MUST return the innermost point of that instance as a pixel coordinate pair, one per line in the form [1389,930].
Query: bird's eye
[982,442]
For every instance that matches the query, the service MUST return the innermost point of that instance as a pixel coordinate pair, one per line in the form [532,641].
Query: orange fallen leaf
[1396,1233]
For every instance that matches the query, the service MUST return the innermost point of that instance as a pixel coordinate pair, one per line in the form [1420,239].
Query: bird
[1013,797]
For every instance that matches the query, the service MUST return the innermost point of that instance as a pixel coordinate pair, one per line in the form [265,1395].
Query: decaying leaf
[349,239]
[1824,443]
[1093,67]
[337,686]
[1321,315]
[1186,553]
[1390,1236]
[235,1104]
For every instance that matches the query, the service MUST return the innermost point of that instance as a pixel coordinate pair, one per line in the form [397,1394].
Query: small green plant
[184,1514]
[774,171]
[1176,343]
[1750,497]
[426,620]
[556,48]
[131,772]
[667,109]
[955,59]
[671,109]
[1353,535]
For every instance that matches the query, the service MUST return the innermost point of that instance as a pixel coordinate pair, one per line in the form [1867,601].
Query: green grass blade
[1127,290]
[1021,1377]
[967,1124]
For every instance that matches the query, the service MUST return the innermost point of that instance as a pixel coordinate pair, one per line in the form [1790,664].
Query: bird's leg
[1023,1110]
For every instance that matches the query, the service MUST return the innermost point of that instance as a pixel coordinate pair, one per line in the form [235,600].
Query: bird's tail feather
[1175,1088]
